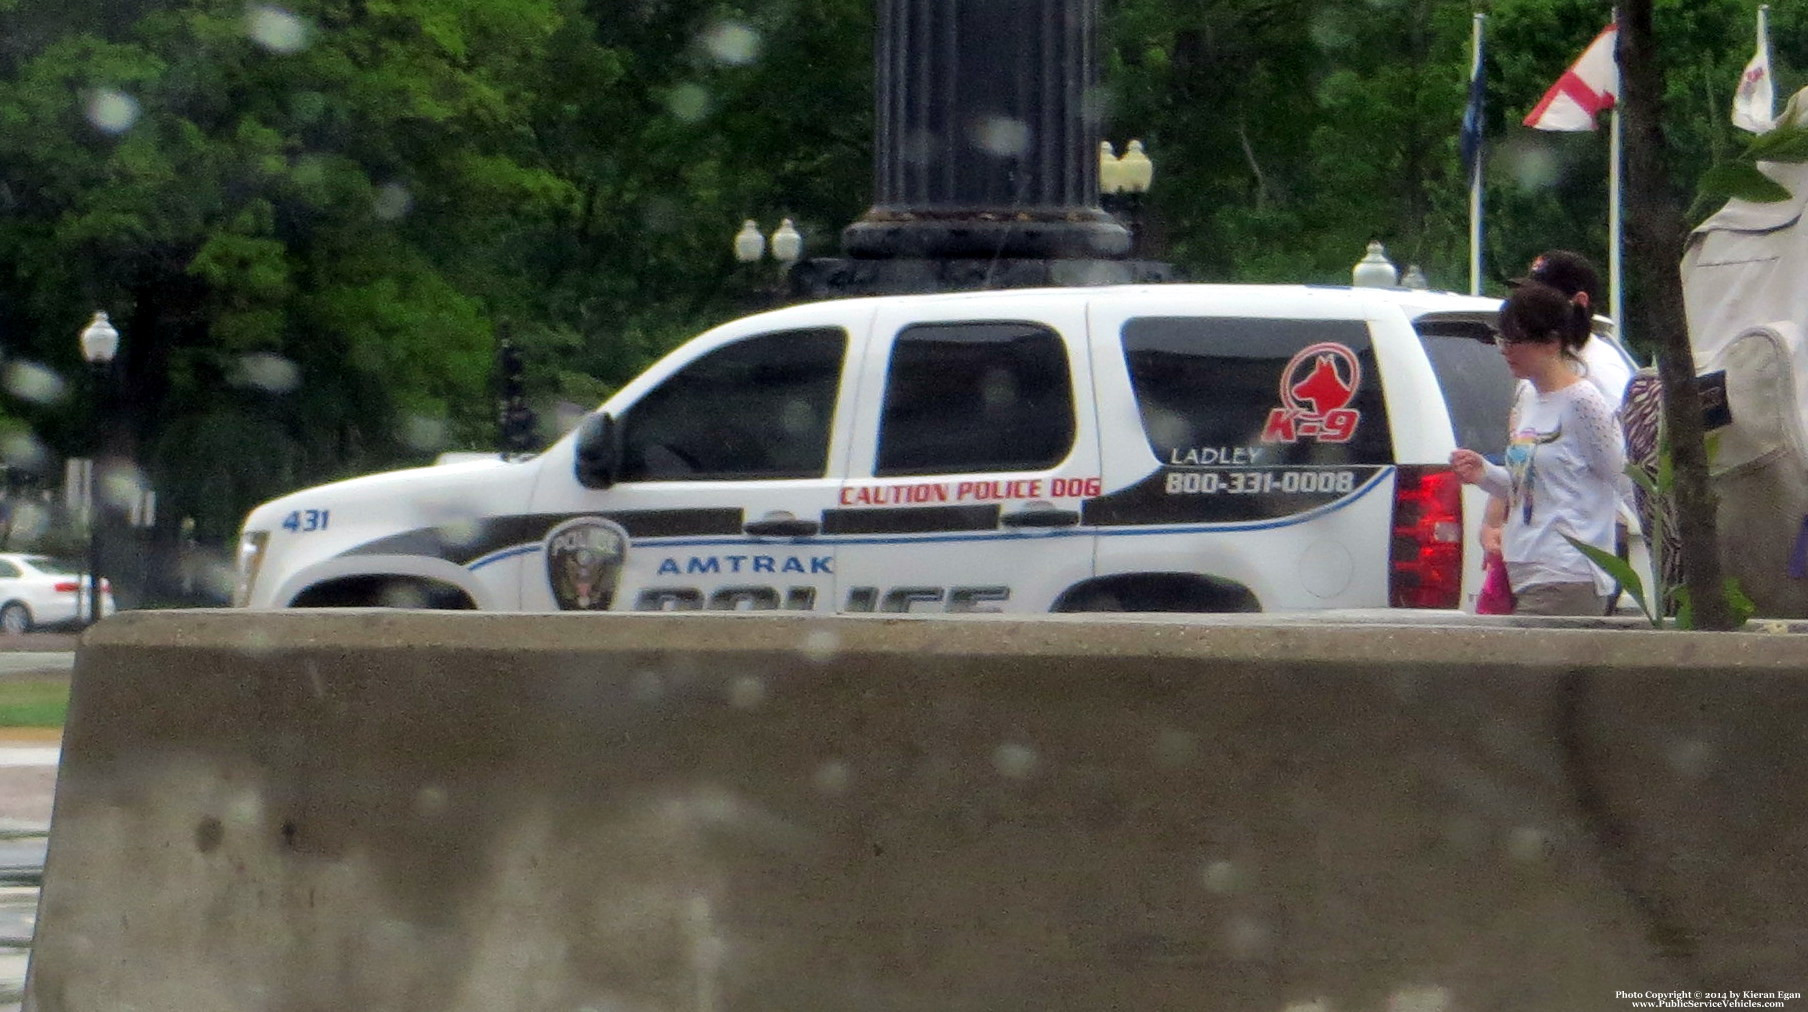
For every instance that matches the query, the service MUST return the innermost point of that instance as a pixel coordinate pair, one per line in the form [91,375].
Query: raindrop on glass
[1174,747]
[276,29]
[747,692]
[112,111]
[32,382]
[832,777]
[24,451]
[122,486]
[1246,937]
[1002,136]
[1528,844]
[732,42]
[430,801]
[1692,758]
[647,686]
[264,371]
[820,645]
[30,521]
[1221,877]
[392,201]
[423,434]
[1014,761]
[1419,999]
[688,102]
[1530,164]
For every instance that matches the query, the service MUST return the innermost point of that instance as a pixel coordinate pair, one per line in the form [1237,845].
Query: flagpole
[1616,235]
[1475,175]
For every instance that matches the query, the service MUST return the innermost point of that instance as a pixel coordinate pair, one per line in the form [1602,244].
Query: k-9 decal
[1316,389]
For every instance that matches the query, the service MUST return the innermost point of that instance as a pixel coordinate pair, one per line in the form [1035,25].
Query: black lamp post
[100,342]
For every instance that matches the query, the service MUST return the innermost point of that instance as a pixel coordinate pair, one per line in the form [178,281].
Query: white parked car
[38,591]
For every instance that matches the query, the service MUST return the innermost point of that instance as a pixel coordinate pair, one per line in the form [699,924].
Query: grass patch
[34,702]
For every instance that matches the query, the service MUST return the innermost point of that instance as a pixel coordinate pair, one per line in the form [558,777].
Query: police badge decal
[583,563]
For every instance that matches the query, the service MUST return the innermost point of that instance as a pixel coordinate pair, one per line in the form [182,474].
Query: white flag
[1587,88]
[1754,104]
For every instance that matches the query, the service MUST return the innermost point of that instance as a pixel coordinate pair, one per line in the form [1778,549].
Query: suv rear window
[972,397]
[1477,386]
[1296,392]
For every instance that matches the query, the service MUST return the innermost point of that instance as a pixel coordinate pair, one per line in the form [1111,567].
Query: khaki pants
[1559,599]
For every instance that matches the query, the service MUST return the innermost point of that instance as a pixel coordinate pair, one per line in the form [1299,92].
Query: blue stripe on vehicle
[507,553]
[1102,532]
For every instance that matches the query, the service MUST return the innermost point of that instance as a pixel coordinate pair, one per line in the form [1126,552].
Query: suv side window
[757,408]
[965,397]
[1302,392]
[1477,385]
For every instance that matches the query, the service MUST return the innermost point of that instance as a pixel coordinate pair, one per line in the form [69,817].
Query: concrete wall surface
[458,812]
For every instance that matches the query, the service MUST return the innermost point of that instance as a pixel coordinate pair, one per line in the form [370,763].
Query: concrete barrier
[449,812]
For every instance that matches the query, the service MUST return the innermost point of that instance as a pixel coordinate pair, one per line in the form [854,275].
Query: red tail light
[1427,559]
[67,587]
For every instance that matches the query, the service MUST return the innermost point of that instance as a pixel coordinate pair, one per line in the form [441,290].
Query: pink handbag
[1496,597]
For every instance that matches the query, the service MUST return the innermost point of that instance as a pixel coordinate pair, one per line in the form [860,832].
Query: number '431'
[303,521]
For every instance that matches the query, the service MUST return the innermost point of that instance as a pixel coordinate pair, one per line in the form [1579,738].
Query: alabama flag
[1587,88]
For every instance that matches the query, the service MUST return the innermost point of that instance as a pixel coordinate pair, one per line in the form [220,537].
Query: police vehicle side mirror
[598,451]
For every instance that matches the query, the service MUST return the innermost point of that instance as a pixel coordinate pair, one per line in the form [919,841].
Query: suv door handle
[789,527]
[1041,518]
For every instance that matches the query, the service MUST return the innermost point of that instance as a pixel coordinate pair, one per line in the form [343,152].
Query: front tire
[15,619]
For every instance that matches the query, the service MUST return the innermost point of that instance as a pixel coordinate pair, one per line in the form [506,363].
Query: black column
[985,156]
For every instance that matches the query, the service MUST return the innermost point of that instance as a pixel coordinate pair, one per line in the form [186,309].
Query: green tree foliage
[1288,133]
[236,182]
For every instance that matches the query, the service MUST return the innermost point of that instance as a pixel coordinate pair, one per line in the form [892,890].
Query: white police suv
[1149,448]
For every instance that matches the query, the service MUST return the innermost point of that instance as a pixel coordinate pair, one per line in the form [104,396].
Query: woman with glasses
[1564,463]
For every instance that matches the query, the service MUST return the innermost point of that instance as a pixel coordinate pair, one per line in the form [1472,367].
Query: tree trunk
[1656,232]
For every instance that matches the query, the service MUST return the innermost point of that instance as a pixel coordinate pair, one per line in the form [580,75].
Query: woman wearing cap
[1572,274]
[1565,458]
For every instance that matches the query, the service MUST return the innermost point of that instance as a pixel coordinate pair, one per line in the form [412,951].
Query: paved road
[40,642]
[31,662]
[28,759]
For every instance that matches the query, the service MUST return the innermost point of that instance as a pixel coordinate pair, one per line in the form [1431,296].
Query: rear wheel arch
[10,624]
[1170,592]
[384,590]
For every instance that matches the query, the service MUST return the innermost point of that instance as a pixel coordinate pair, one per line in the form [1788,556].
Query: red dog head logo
[1316,389]
[1323,389]
[1332,374]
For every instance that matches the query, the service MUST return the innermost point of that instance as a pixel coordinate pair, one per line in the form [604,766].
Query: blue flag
[1469,141]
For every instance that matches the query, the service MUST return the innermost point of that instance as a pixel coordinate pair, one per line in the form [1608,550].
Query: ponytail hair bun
[1582,320]
[1538,312]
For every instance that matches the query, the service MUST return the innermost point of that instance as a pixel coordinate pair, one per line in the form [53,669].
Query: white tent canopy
[1745,265]
[1743,275]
